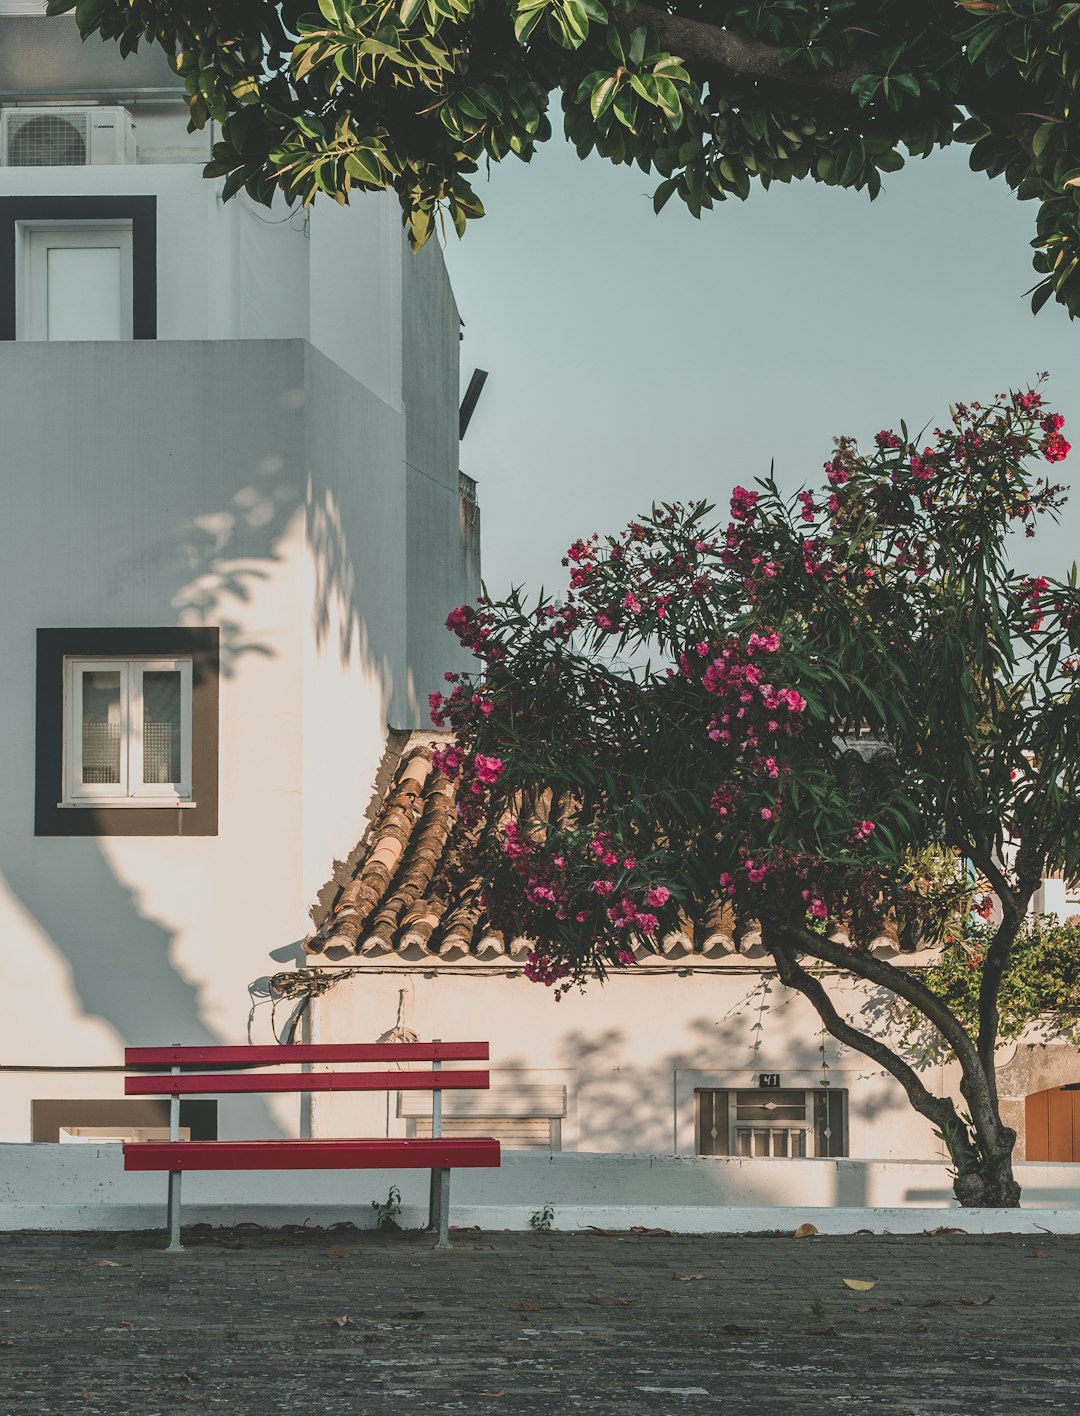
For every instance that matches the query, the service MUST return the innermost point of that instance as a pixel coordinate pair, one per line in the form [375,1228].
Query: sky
[635,358]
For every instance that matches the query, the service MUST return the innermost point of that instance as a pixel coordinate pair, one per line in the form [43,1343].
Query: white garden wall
[84,1187]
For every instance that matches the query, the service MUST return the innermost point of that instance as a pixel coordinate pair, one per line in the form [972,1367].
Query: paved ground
[249,1322]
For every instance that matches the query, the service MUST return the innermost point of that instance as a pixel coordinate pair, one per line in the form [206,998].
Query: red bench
[440,1154]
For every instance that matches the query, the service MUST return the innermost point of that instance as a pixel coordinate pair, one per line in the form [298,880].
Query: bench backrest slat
[186,1084]
[290,1054]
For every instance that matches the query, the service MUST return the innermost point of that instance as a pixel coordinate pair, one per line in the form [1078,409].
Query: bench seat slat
[424,1154]
[263,1056]
[187,1085]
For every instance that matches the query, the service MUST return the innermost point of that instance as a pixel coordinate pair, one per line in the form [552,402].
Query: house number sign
[768,1079]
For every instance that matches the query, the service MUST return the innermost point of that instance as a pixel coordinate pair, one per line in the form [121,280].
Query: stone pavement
[250,1322]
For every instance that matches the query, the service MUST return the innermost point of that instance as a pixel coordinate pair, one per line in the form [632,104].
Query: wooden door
[1052,1120]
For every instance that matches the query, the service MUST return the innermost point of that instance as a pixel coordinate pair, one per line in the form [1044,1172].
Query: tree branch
[899,981]
[710,45]
[939,1110]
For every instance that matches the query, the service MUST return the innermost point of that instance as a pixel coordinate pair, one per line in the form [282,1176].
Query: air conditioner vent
[47,139]
[66,137]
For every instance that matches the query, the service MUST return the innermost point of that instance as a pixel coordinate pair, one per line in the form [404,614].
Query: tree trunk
[989,1184]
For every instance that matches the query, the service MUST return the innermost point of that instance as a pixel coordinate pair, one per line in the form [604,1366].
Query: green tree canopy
[711,96]
[835,708]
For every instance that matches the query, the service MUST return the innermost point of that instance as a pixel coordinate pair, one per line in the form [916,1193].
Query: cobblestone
[248,1322]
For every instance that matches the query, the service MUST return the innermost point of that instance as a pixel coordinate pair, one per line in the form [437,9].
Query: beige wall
[630,1052]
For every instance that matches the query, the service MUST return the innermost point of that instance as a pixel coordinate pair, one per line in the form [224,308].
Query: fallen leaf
[108,1263]
[864,1231]
[607,1233]
[874,1307]
[821,1332]
[7,1342]
[343,1321]
[410,1313]
[1039,1254]
[125,1322]
[374,1337]
[641,1229]
[479,1391]
[337,1253]
[973,1302]
[525,1307]
[942,1229]
[804,1231]
[689,1277]
[860,1285]
[736,1331]
[612,1302]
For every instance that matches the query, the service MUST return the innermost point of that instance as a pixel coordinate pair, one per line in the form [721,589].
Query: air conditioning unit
[66,137]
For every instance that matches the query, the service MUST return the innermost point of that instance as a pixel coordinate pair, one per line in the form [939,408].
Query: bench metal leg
[175,1247]
[439,1207]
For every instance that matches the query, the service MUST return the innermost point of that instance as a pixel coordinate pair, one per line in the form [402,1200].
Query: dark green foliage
[710,97]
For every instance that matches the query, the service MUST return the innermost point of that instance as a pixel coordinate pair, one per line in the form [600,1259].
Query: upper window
[127,732]
[127,738]
[75,282]
[78,268]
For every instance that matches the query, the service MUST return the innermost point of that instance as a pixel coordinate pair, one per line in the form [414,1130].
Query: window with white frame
[75,281]
[127,732]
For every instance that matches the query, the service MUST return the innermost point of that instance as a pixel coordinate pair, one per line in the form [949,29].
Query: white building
[233,526]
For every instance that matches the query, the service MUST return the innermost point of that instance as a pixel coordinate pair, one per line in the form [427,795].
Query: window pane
[830,1132]
[84,292]
[712,1122]
[161,725]
[767,1105]
[101,726]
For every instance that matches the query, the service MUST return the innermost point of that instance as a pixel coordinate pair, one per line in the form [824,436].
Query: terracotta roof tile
[398,901]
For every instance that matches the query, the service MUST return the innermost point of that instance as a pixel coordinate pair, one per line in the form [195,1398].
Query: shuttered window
[769,1124]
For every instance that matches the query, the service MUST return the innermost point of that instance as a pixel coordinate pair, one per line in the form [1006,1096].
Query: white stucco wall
[630,1052]
[249,469]
[251,485]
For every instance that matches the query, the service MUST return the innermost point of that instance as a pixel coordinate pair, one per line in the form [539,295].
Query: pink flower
[743,504]
[603,887]
[657,896]
[1055,448]
[447,761]
[487,769]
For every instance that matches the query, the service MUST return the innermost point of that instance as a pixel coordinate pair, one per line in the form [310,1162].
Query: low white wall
[85,1187]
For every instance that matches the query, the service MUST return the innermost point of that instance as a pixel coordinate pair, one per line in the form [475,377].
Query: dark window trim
[200,645]
[48,1117]
[140,211]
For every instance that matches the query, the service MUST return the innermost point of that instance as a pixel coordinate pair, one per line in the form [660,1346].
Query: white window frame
[34,239]
[131,790]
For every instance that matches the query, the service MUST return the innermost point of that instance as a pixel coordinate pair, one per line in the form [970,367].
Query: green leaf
[410,9]
[663,193]
[365,166]
[602,96]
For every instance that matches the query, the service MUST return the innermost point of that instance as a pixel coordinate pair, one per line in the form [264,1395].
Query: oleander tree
[709,96]
[836,709]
